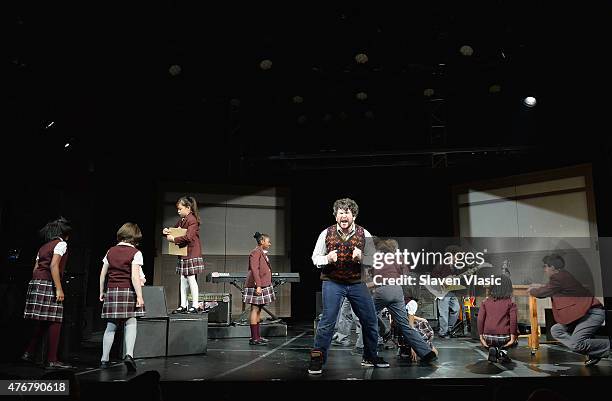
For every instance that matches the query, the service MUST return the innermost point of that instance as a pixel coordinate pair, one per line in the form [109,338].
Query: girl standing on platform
[497,321]
[258,290]
[44,301]
[193,263]
[123,300]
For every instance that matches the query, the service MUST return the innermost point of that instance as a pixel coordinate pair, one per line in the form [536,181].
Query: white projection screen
[529,216]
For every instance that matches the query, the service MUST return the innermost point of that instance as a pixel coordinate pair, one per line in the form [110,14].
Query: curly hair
[346,204]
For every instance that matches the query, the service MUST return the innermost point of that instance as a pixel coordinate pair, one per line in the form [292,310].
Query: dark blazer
[191,239]
[260,272]
[570,300]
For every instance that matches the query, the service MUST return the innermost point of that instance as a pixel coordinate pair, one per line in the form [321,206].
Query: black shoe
[428,358]
[27,357]
[130,363]
[192,310]
[592,361]
[257,342]
[376,362]
[104,364]
[316,363]
[503,357]
[58,365]
[180,309]
[493,354]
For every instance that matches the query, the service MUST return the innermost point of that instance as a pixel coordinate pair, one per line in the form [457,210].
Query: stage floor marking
[258,358]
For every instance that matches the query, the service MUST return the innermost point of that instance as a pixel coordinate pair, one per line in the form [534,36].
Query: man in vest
[339,253]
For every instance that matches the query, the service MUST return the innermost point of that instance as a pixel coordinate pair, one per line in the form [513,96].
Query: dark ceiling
[101,75]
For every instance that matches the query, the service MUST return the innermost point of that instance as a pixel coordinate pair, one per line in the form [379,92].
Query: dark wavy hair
[59,227]
[346,204]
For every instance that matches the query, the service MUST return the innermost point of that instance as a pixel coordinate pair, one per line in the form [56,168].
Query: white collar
[125,243]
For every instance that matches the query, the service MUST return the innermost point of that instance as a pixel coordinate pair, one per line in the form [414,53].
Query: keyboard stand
[243,319]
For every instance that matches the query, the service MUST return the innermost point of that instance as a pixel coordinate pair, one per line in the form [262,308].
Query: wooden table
[533,339]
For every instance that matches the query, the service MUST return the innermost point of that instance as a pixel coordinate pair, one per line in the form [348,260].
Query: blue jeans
[392,298]
[448,309]
[363,306]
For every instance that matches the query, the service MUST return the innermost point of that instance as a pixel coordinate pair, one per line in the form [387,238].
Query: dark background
[97,77]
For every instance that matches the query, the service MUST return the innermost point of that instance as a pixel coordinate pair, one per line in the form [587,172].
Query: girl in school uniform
[497,321]
[44,302]
[123,301]
[258,290]
[192,264]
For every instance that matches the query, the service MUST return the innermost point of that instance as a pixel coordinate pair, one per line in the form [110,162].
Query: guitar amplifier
[220,315]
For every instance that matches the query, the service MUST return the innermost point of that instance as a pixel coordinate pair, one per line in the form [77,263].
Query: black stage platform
[461,370]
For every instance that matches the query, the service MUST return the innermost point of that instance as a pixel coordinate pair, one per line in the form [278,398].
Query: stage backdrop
[531,215]
[230,216]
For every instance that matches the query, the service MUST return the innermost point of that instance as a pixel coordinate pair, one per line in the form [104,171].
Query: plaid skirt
[425,330]
[266,297]
[191,266]
[493,340]
[120,303]
[41,302]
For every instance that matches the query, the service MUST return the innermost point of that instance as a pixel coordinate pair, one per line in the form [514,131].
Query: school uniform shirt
[44,257]
[119,260]
[191,239]
[497,317]
[570,300]
[411,307]
[260,271]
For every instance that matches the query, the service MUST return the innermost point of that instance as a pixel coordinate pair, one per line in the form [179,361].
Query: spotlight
[265,64]
[361,58]
[529,101]
[466,50]
[174,70]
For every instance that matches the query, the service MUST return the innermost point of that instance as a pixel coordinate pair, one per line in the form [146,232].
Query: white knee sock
[107,341]
[193,286]
[130,336]
[183,291]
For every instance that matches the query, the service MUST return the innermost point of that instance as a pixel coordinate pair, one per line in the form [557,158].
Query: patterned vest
[345,269]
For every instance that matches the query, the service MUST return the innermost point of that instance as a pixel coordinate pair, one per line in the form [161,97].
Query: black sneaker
[192,310]
[180,309]
[493,354]
[257,342]
[503,357]
[316,363]
[130,363]
[104,364]
[27,357]
[428,358]
[376,362]
[592,361]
